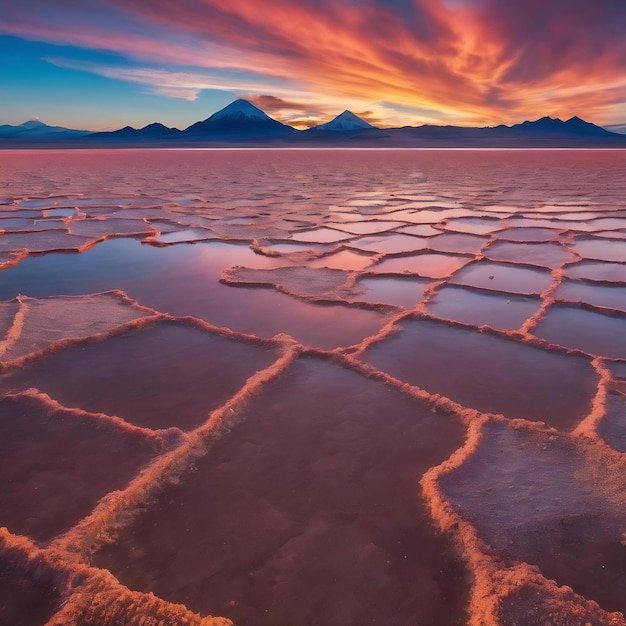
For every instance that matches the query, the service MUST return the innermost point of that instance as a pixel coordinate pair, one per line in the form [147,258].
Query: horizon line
[609,128]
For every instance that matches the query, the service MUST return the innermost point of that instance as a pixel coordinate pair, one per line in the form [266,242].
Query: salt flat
[349,388]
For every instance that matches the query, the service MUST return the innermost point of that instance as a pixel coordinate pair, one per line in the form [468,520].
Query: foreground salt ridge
[140,489]
[497,579]
[92,596]
[162,438]
[498,585]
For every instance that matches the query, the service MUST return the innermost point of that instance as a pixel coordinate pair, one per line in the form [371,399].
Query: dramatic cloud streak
[472,61]
[175,84]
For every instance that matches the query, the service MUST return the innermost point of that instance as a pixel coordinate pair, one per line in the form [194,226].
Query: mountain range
[36,130]
[243,124]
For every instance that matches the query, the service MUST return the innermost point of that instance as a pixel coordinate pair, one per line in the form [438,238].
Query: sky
[103,64]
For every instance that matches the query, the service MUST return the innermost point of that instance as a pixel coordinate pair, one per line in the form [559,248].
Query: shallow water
[593,332]
[482,308]
[548,255]
[507,277]
[330,489]
[427,265]
[297,387]
[44,451]
[489,373]
[402,292]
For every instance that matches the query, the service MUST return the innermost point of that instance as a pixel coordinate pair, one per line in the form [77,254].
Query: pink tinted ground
[214,374]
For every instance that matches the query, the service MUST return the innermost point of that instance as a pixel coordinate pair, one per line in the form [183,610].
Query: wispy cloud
[617,128]
[476,61]
[175,84]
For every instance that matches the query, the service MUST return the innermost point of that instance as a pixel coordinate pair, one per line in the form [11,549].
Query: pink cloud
[481,61]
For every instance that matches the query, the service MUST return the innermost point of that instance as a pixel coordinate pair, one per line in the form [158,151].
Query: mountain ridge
[36,129]
[241,123]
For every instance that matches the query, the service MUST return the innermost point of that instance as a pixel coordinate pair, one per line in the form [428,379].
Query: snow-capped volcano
[240,109]
[239,117]
[346,121]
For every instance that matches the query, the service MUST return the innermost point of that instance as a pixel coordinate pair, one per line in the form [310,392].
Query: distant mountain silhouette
[344,122]
[36,130]
[545,132]
[239,119]
[554,125]
[150,132]
[243,124]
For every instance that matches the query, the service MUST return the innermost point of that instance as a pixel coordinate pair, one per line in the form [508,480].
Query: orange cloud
[472,61]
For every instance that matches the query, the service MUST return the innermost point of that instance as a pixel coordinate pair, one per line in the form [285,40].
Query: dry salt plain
[292,388]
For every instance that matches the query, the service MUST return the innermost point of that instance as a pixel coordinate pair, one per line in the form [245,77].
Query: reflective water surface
[312,387]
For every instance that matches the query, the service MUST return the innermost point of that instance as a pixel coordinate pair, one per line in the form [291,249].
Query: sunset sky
[102,64]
